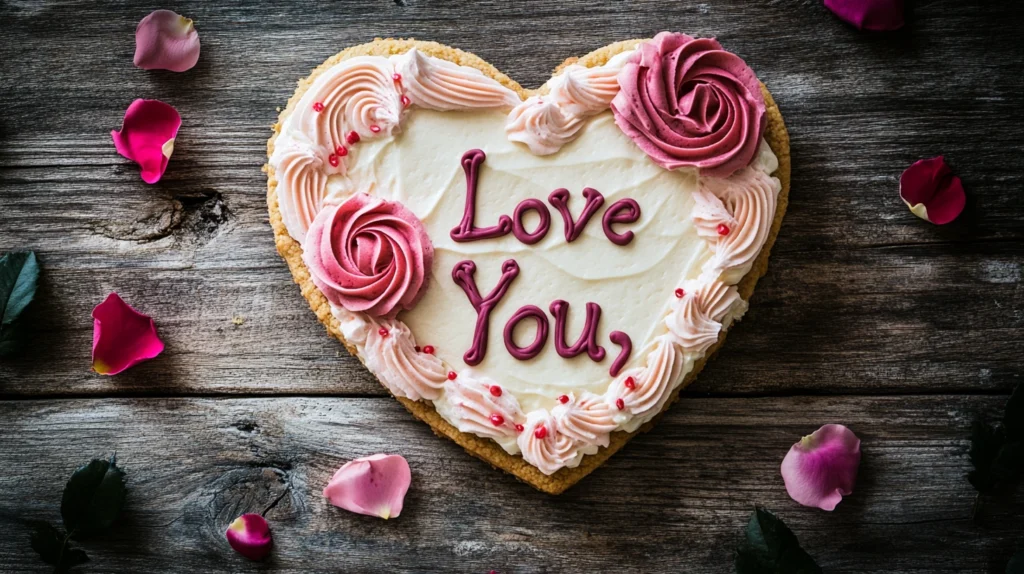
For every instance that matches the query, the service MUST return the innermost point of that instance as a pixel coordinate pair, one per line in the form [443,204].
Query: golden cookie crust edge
[483,448]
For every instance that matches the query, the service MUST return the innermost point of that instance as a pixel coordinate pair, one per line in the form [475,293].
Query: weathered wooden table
[868,316]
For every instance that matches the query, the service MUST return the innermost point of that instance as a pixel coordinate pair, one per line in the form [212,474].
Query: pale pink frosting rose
[643,391]
[482,407]
[147,136]
[374,485]
[166,41]
[301,185]
[874,15]
[369,255]
[438,84]
[735,215]
[696,318]
[249,535]
[587,420]
[932,192]
[121,336]
[544,446]
[688,103]
[822,468]
[405,369]
[542,124]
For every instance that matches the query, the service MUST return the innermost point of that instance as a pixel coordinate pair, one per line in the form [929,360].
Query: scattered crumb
[238,320]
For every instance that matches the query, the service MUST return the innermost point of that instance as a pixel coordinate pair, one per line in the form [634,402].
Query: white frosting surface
[633,284]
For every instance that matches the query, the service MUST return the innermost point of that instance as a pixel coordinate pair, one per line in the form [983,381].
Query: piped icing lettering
[587,341]
[466,231]
[534,348]
[560,200]
[518,227]
[626,348]
[463,275]
[622,211]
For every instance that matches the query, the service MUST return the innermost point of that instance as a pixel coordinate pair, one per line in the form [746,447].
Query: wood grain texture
[194,464]
[861,300]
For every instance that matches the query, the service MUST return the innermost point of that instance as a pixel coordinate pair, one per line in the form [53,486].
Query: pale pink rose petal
[121,336]
[932,192]
[166,41]
[873,15]
[822,468]
[147,136]
[249,535]
[375,485]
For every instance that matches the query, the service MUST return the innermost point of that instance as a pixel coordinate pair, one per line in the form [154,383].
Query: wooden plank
[674,500]
[861,297]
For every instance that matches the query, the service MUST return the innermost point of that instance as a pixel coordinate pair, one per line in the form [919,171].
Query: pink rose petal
[932,192]
[166,41]
[873,15]
[249,535]
[822,468]
[147,136]
[375,485]
[121,336]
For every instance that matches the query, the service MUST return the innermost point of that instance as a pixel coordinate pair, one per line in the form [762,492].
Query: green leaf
[997,451]
[772,548]
[1016,565]
[19,274]
[93,497]
[51,545]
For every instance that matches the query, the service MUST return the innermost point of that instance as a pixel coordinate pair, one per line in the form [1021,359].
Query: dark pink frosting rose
[369,255]
[688,103]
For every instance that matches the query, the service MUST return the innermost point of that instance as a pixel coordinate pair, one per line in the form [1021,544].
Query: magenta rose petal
[872,15]
[932,192]
[375,485]
[369,255]
[165,40]
[121,336]
[821,468]
[249,535]
[147,136]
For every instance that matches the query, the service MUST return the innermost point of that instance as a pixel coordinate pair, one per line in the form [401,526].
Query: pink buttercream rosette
[369,255]
[688,103]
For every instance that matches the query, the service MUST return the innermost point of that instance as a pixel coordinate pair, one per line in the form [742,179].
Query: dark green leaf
[986,441]
[19,273]
[10,339]
[1013,417]
[50,544]
[772,548]
[1016,565]
[47,542]
[93,497]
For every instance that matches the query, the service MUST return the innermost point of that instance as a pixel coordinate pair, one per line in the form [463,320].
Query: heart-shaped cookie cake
[533,273]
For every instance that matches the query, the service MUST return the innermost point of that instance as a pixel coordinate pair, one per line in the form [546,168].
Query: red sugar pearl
[680,293]
[416,348]
[519,428]
[318,106]
[396,77]
[497,420]
[341,150]
[405,101]
[620,404]
[352,137]
[375,129]
[630,383]
[382,332]
[540,432]
[429,349]
[451,375]
[333,160]
[563,399]
[495,390]
[723,229]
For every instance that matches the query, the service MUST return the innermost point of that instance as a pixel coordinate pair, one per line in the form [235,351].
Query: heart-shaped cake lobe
[528,273]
